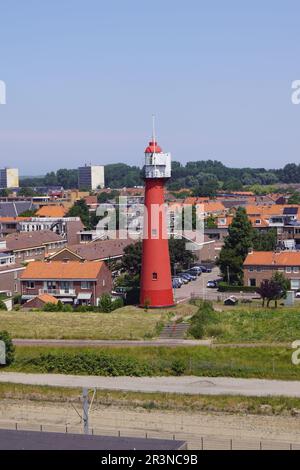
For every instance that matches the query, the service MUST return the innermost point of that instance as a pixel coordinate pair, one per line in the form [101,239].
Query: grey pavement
[184,385]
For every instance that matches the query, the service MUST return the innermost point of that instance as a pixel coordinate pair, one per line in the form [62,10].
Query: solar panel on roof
[290,210]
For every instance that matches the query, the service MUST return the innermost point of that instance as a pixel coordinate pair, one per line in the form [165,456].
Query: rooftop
[270,258]
[62,270]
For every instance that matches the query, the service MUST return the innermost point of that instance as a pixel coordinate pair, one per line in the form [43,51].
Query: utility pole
[85,410]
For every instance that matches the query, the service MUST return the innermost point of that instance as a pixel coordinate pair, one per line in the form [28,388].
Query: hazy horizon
[83,79]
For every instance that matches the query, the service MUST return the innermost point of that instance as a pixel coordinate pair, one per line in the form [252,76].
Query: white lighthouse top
[157,163]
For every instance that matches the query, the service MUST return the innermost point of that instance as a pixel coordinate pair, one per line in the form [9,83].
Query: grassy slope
[155,401]
[125,323]
[273,363]
[254,325]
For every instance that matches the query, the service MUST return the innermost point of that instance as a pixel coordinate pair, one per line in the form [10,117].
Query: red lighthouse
[156,280]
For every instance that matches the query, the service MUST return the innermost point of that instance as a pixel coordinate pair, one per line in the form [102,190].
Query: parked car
[206,269]
[178,279]
[192,274]
[197,270]
[297,295]
[212,284]
[176,284]
[186,279]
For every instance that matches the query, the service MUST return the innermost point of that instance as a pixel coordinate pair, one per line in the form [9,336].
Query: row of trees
[205,177]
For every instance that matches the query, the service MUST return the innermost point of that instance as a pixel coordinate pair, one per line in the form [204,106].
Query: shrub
[49,307]
[2,305]
[204,316]
[106,303]
[9,347]
[225,287]
[88,363]
[178,367]
[118,303]
[67,308]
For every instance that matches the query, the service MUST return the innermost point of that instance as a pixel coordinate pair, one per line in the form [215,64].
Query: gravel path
[185,385]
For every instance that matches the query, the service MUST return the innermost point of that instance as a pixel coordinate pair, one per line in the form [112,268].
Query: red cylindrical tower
[156,280]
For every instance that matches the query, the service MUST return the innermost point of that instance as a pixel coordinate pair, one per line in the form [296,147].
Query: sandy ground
[199,429]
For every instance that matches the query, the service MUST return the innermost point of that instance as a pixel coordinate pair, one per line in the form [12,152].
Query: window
[258,222]
[288,269]
[295,269]
[252,282]
[251,269]
[154,276]
[30,284]
[85,285]
[295,284]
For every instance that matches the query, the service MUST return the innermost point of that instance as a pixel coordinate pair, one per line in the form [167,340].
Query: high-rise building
[91,177]
[156,280]
[9,178]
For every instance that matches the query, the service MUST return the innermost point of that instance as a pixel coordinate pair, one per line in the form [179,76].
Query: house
[10,273]
[73,282]
[28,246]
[262,265]
[68,227]
[40,301]
[10,224]
[52,211]
[101,250]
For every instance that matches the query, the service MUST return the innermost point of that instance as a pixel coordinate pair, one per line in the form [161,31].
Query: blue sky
[84,77]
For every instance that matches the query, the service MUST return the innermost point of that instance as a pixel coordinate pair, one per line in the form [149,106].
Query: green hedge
[224,287]
[98,363]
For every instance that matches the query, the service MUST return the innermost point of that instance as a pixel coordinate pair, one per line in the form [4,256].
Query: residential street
[185,385]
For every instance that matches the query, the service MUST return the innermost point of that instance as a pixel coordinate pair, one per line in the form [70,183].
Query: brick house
[29,246]
[72,282]
[261,265]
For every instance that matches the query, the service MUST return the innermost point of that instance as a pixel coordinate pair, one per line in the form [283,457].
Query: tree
[80,209]
[29,213]
[27,192]
[179,256]
[270,290]
[210,222]
[236,247]
[295,198]
[9,347]
[264,241]
[132,258]
[105,303]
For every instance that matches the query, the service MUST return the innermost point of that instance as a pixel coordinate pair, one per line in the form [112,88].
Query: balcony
[59,292]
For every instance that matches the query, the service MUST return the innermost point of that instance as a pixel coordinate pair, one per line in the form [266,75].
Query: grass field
[125,323]
[155,401]
[254,325]
[272,363]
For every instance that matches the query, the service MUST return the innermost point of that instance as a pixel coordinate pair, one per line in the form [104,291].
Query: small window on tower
[154,276]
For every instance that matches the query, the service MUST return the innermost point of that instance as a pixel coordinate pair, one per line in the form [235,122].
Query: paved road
[109,343]
[184,385]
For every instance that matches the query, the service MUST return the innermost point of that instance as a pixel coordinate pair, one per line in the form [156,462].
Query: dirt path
[210,430]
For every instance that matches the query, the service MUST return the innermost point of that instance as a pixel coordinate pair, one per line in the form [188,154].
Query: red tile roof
[270,258]
[62,270]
